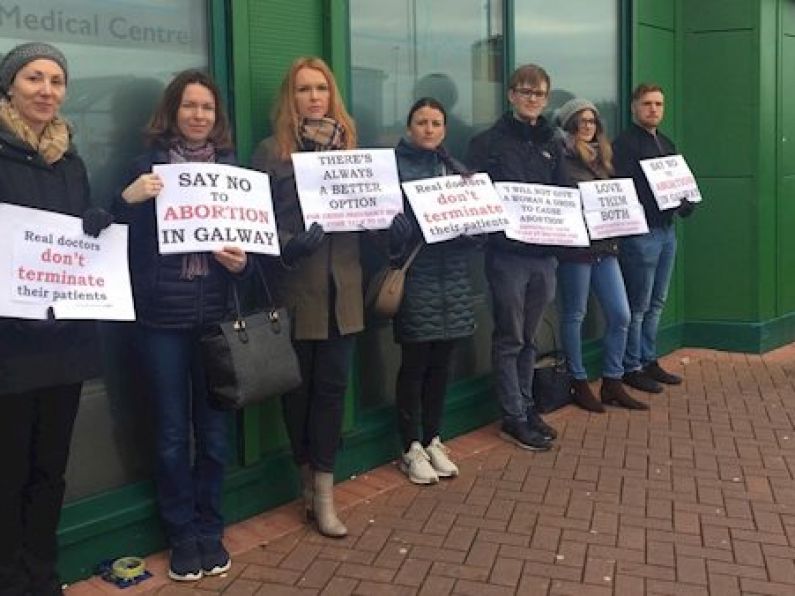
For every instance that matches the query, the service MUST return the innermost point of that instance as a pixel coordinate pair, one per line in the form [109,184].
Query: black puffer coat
[162,298]
[437,303]
[37,354]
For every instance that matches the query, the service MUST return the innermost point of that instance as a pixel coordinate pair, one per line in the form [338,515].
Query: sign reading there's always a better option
[348,191]
[612,209]
[451,206]
[541,214]
[206,206]
[47,261]
[671,181]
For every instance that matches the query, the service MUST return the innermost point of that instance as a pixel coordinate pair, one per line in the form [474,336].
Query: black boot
[614,394]
[638,380]
[653,370]
[584,397]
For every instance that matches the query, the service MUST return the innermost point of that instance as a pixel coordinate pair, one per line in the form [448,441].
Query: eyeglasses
[530,93]
[587,122]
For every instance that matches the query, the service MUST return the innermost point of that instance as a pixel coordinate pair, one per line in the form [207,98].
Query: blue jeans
[188,492]
[604,277]
[647,262]
[521,288]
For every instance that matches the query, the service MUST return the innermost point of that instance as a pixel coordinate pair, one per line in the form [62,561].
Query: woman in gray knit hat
[589,156]
[43,363]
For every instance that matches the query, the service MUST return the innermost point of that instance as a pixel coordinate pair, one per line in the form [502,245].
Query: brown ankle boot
[614,394]
[584,397]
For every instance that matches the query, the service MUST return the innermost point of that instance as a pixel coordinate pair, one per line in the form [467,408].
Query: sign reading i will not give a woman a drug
[47,261]
[542,214]
[612,208]
[206,206]
[348,191]
[451,206]
[671,181]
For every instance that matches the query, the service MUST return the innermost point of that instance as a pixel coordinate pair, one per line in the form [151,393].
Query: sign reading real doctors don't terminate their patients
[206,206]
[348,191]
[451,206]
[47,261]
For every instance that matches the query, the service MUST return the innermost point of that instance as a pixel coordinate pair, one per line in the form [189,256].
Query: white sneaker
[437,453]
[415,463]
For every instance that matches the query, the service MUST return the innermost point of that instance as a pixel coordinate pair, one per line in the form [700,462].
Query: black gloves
[685,208]
[303,244]
[399,234]
[96,219]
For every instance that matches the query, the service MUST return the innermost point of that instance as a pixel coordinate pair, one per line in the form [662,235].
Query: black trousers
[421,386]
[35,432]
[313,412]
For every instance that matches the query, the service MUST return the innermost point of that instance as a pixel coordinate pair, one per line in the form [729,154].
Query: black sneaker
[522,436]
[653,370]
[637,380]
[536,423]
[215,558]
[186,563]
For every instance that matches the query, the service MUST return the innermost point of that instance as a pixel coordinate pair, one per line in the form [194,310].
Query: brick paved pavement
[695,496]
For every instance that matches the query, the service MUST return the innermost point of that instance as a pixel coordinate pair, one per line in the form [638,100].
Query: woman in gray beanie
[42,363]
[589,156]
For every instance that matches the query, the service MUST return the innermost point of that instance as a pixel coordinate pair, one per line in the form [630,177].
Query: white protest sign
[671,181]
[541,214]
[46,260]
[348,191]
[612,208]
[449,206]
[206,206]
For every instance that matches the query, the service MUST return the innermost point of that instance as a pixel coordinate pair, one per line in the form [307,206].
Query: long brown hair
[287,122]
[162,125]
[604,158]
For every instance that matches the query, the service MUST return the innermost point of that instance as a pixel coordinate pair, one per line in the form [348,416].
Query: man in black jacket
[520,147]
[647,261]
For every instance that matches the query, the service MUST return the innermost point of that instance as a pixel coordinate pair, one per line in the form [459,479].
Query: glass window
[121,54]
[577,43]
[402,50]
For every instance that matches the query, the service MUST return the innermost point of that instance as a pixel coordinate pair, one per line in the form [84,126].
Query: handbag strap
[412,255]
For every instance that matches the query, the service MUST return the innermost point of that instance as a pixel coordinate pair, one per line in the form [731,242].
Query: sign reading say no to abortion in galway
[671,181]
[542,214]
[612,208]
[47,261]
[348,191]
[450,206]
[206,206]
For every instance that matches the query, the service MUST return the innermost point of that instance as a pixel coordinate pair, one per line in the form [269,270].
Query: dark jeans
[421,384]
[313,412]
[521,288]
[35,432]
[188,492]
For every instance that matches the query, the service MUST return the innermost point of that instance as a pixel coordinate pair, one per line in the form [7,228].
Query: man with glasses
[647,260]
[520,147]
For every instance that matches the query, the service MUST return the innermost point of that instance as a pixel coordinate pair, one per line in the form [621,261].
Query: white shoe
[415,463]
[437,453]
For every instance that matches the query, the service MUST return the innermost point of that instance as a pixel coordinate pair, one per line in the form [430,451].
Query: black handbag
[551,382]
[251,358]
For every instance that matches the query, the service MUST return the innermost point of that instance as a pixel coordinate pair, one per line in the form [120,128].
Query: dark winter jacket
[629,148]
[514,151]
[579,171]
[162,298]
[37,354]
[437,300]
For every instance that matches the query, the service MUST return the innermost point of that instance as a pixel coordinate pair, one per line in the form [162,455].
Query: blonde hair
[287,122]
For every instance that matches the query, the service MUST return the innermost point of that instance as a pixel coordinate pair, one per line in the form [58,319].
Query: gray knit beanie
[569,109]
[19,56]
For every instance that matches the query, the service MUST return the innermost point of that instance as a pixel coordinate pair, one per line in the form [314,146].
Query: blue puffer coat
[437,303]
[162,298]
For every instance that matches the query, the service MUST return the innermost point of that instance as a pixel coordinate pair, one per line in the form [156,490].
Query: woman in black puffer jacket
[437,304]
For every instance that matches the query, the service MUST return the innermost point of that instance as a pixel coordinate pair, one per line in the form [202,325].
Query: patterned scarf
[54,139]
[324,134]
[193,264]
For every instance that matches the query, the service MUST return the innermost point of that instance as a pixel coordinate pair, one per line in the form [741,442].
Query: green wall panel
[720,244]
[657,13]
[719,15]
[655,60]
[787,71]
[786,187]
[788,16]
[786,245]
[719,93]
